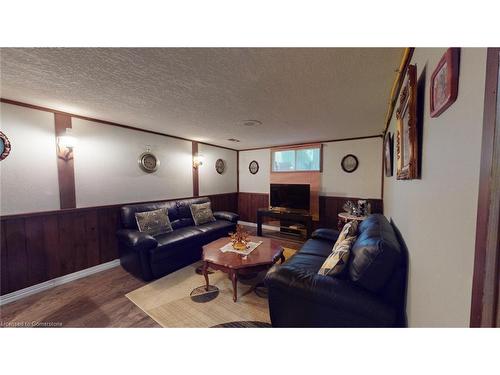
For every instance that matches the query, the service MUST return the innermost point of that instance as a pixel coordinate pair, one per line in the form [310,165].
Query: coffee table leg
[234,279]
[205,274]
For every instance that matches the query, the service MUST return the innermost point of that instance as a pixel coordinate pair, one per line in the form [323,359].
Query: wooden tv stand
[298,217]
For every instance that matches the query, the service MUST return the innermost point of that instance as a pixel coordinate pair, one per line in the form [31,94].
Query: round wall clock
[253,167]
[220,166]
[4,146]
[349,163]
[148,162]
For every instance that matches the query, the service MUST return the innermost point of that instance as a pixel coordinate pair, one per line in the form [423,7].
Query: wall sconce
[65,144]
[198,160]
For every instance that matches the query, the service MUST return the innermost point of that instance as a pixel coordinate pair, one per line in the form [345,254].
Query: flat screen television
[290,196]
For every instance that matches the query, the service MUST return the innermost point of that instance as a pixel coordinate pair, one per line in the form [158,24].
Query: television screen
[291,196]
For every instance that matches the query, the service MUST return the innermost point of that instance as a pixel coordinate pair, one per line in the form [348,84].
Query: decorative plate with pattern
[253,167]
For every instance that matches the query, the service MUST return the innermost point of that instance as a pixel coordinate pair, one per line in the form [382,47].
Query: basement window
[305,159]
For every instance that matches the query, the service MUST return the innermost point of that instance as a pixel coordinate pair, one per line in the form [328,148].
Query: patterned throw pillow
[153,222]
[202,213]
[350,229]
[337,260]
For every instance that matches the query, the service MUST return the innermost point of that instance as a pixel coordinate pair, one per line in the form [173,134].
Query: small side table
[345,217]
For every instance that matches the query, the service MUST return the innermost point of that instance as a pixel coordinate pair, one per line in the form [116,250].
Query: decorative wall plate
[220,166]
[4,146]
[148,162]
[253,167]
[349,163]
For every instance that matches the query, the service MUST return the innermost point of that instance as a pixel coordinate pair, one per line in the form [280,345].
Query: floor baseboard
[18,294]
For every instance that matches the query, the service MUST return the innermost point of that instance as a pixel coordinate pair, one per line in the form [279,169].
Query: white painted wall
[437,214]
[212,182]
[107,172]
[364,182]
[255,183]
[28,176]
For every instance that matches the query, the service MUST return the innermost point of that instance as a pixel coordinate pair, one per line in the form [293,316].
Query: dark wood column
[485,283]
[65,168]
[196,183]
[238,171]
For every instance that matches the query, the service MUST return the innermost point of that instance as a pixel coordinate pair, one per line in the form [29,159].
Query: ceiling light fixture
[251,122]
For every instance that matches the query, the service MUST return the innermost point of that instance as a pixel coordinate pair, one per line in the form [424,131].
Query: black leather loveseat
[151,257]
[369,293]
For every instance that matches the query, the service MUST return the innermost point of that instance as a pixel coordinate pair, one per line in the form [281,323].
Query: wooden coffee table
[262,258]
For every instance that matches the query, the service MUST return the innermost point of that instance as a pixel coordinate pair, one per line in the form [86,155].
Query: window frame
[295,149]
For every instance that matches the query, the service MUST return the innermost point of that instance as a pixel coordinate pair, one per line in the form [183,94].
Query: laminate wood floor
[94,301]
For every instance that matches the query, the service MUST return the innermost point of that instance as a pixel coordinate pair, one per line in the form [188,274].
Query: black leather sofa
[371,291]
[150,257]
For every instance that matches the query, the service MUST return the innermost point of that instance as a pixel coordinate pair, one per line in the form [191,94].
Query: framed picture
[388,154]
[444,82]
[406,128]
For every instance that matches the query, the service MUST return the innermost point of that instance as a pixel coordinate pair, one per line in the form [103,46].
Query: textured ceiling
[299,94]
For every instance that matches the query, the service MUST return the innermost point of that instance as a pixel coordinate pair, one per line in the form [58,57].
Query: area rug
[176,300]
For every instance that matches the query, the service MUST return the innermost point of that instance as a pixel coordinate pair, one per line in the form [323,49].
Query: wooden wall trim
[65,168]
[238,171]
[484,301]
[196,172]
[45,109]
[315,142]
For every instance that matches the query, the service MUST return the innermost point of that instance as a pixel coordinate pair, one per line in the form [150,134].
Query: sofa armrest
[325,234]
[226,215]
[135,239]
[306,288]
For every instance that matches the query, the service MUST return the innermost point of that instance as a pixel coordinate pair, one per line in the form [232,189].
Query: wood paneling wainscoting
[329,207]
[38,247]
[248,203]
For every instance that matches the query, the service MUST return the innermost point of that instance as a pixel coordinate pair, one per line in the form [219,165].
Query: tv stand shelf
[295,217]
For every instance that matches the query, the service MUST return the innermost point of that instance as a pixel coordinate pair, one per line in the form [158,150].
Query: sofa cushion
[317,247]
[325,234]
[216,229]
[307,264]
[375,254]
[127,213]
[184,206]
[153,222]
[218,225]
[337,260]
[177,236]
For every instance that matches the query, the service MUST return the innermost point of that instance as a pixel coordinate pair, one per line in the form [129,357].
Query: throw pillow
[350,229]
[153,222]
[202,213]
[337,260]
